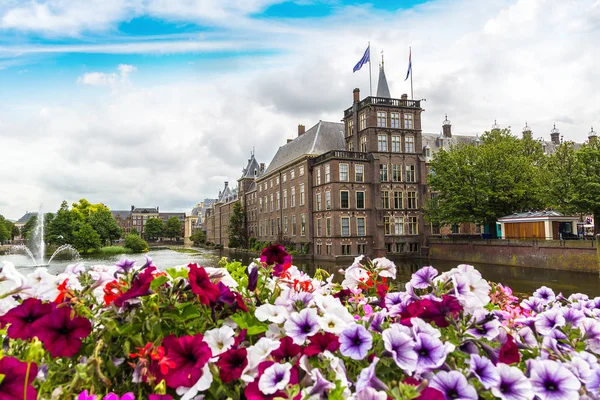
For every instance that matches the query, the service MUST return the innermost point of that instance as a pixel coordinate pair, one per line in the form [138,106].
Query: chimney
[555,135]
[527,131]
[289,140]
[356,93]
[404,97]
[132,208]
[300,130]
[226,184]
[262,166]
[157,208]
[447,128]
[592,136]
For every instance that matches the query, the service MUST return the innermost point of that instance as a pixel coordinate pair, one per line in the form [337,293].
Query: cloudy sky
[157,102]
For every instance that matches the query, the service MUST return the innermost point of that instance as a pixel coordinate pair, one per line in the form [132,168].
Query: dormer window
[427,152]
[255,172]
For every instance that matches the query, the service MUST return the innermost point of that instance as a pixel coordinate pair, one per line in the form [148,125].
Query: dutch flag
[408,72]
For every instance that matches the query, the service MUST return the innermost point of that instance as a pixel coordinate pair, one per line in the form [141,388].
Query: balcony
[384,101]
[341,154]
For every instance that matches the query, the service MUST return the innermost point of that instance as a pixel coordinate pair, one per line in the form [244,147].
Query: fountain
[38,245]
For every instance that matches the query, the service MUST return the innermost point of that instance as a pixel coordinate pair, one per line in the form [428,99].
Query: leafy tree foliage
[104,223]
[198,237]
[61,230]
[5,229]
[28,227]
[154,228]
[86,239]
[83,209]
[236,229]
[173,228]
[136,243]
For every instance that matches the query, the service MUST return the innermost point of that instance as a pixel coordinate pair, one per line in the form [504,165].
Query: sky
[158,102]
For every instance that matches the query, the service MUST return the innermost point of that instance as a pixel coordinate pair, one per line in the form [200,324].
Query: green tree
[15,232]
[136,243]
[134,231]
[29,227]
[86,239]
[4,230]
[83,209]
[154,228]
[237,227]
[173,228]
[105,224]
[62,227]
[198,237]
[560,169]
[480,183]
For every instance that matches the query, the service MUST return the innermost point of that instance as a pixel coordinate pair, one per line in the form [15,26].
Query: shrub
[136,243]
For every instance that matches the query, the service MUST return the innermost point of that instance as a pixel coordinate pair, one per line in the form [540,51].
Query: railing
[571,242]
[352,155]
[385,101]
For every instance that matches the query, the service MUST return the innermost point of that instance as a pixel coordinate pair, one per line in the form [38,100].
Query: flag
[365,59]
[408,72]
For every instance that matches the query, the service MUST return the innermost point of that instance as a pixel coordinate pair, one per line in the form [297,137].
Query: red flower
[22,317]
[428,393]
[509,354]
[201,285]
[320,342]
[190,354]
[232,363]
[63,292]
[112,290]
[140,286]
[12,387]
[163,361]
[275,254]
[61,331]
[287,350]
[432,311]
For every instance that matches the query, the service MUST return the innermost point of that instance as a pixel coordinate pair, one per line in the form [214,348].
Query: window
[327,226]
[302,225]
[399,226]
[360,200]
[350,128]
[327,173]
[278,202]
[284,198]
[362,249]
[346,251]
[318,207]
[396,146]
[272,203]
[345,226]
[271,182]
[260,205]
[301,170]
[395,119]
[344,199]
[272,227]
[319,223]
[363,120]
[427,152]
[382,143]
[285,225]
[302,194]
[328,200]
[350,146]
[284,177]
[383,172]
[413,226]
[293,225]
[319,248]
[387,228]
[277,180]
[381,119]
[328,249]
[435,229]
[398,203]
[360,226]
[411,200]
[385,199]
[396,173]
[318,176]
[410,173]
[363,143]
[278,226]
[359,172]
[408,121]
[260,229]
[293,197]
[410,144]
[344,172]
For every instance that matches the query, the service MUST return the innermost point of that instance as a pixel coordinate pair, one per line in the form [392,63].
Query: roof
[382,86]
[180,215]
[550,214]
[252,170]
[142,210]
[122,214]
[227,194]
[28,215]
[321,138]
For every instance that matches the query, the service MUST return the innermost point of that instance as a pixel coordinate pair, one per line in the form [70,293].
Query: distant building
[179,215]
[549,225]
[20,223]
[123,218]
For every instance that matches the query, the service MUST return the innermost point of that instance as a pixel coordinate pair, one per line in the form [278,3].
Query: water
[520,279]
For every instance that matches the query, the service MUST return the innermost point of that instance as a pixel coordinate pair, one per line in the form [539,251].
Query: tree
[561,167]
[29,227]
[83,209]
[198,237]
[15,232]
[62,227]
[173,228]
[86,239]
[237,229]
[586,195]
[134,231]
[136,243]
[153,228]
[4,232]
[481,183]
[105,224]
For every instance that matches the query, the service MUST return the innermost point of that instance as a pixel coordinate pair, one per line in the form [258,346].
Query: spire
[382,86]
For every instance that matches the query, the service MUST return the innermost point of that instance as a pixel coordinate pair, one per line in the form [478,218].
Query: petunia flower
[370,394]
[545,294]
[201,285]
[220,339]
[13,384]
[61,332]
[431,352]
[553,381]
[269,312]
[320,385]
[190,354]
[140,286]
[287,350]
[160,397]
[509,353]
[485,325]
[512,384]
[355,342]
[368,378]
[483,369]
[232,363]
[302,324]
[275,378]
[85,395]
[124,265]
[453,385]
[397,341]
[385,268]
[22,317]
[252,277]
[548,321]
[428,393]
[423,278]
[320,342]
[202,384]
[113,396]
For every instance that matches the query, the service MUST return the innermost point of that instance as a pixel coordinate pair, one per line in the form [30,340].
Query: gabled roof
[321,138]
[252,170]
[28,215]
[180,215]
[122,214]
[382,86]
[145,210]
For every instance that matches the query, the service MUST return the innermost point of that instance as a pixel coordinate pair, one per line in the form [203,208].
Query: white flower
[275,378]
[355,277]
[420,326]
[276,314]
[10,279]
[386,268]
[201,385]
[333,323]
[256,354]
[219,340]
[221,275]
[6,304]
[471,290]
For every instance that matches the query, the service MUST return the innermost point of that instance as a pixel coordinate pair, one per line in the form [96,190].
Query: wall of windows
[382,143]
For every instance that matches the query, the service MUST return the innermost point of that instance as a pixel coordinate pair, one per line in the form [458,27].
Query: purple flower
[301,325]
[22,317]
[368,378]
[275,254]
[485,325]
[275,378]
[572,316]
[376,322]
[397,341]
[553,381]
[512,384]
[126,396]
[534,304]
[549,320]
[85,395]
[370,394]
[252,277]
[423,277]
[125,265]
[355,342]
[431,352]
[453,385]
[320,386]
[593,381]
[545,294]
[484,370]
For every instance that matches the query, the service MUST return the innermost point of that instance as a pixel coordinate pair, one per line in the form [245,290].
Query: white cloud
[107,79]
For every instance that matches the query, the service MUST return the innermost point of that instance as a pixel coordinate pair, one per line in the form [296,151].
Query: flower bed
[269,331]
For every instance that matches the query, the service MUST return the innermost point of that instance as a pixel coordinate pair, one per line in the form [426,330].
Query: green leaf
[158,281]
[177,273]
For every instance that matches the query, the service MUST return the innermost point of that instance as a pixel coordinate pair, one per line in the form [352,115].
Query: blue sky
[158,102]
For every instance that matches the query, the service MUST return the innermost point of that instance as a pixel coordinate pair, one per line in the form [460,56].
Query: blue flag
[365,59]
[409,65]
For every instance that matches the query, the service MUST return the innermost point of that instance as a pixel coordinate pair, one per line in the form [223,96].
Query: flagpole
[370,79]
[412,96]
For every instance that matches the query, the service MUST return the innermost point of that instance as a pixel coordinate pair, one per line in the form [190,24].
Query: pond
[520,279]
